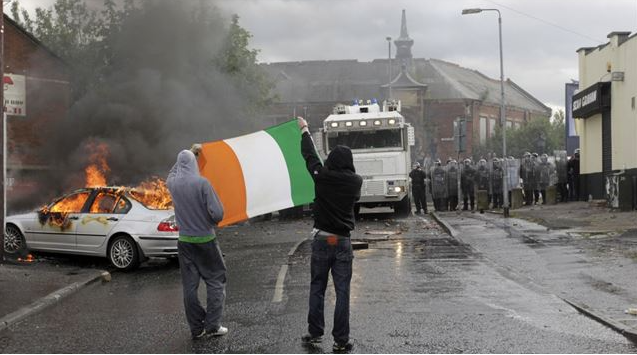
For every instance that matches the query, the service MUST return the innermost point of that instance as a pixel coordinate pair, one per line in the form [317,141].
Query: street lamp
[505,185]
[389,64]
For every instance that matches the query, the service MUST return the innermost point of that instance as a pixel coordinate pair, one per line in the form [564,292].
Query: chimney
[618,37]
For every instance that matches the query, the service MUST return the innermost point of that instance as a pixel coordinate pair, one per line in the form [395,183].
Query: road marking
[278,288]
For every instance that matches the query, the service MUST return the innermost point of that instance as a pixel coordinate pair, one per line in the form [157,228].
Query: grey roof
[344,80]
[405,80]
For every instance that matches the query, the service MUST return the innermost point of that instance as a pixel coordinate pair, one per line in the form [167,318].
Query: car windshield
[387,138]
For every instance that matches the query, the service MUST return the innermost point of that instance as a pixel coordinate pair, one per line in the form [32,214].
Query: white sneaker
[219,332]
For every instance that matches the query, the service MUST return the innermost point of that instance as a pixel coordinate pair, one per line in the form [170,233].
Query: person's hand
[196,149]
[302,124]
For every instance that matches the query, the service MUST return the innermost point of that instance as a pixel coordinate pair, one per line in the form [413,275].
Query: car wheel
[123,253]
[14,242]
[402,208]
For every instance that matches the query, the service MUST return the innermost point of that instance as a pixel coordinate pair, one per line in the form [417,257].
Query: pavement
[28,287]
[580,252]
[414,290]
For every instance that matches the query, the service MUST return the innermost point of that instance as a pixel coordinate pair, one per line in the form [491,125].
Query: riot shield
[497,177]
[452,178]
[561,160]
[438,182]
[544,171]
[467,178]
[513,173]
[482,178]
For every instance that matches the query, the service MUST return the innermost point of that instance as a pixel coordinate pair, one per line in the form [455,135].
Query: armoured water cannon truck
[380,141]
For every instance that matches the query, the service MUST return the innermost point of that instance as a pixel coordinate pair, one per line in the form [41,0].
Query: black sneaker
[342,347]
[310,339]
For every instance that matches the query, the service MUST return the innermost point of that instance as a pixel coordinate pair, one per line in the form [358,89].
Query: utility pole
[389,64]
[3,159]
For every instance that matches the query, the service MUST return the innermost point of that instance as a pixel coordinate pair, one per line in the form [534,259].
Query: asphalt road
[415,291]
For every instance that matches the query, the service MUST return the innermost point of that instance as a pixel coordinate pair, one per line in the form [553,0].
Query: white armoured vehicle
[380,141]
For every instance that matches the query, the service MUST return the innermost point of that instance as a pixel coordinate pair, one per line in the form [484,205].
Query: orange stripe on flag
[219,164]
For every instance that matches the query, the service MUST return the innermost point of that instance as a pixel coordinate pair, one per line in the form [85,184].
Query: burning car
[125,225]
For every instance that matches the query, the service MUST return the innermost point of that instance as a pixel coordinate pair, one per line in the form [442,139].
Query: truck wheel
[403,207]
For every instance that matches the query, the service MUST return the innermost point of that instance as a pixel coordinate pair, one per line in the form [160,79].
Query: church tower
[403,44]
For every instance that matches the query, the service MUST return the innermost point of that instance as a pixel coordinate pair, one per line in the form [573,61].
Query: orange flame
[29,259]
[153,193]
[98,168]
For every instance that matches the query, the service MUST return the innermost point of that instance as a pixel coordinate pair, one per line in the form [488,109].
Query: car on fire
[121,224]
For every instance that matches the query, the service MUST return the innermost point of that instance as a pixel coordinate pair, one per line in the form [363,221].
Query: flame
[29,259]
[153,193]
[98,167]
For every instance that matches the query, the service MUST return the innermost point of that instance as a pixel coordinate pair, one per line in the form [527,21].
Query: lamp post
[505,185]
[389,64]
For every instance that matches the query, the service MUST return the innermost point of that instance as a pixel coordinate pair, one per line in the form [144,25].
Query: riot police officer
[536,176]
[439,186]
[544,177]
[497,177]
[467,180]
[452,184]
[418,190]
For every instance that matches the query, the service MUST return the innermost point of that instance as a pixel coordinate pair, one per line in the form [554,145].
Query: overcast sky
[540,37]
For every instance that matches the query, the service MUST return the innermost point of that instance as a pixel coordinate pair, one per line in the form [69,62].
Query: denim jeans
[333,253]
[196,262]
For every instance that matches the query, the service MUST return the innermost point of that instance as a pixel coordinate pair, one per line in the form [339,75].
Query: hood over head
[186,165]
[340,158]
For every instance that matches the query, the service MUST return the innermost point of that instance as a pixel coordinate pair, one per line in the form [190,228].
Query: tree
[239,61]
[540,135]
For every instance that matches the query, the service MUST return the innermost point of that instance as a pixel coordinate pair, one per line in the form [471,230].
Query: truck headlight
[392,121]
[334,124]
[398,189]
[362,123]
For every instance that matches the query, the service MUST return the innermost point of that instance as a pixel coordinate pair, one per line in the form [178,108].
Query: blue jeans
[330,254]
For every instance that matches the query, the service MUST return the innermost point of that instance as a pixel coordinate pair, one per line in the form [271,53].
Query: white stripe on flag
[264,171]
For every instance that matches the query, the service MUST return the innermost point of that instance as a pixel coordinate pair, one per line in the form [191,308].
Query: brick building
[434,93]
[37,91]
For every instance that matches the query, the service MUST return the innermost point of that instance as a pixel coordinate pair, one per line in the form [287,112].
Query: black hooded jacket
[336,187]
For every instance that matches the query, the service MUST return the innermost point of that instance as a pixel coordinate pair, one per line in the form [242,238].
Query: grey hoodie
[197,207]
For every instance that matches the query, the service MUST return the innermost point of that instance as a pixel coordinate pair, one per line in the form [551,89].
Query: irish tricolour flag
[258,173]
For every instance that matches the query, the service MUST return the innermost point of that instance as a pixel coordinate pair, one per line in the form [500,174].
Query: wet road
[415,290]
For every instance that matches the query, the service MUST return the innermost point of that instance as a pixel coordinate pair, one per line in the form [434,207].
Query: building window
[509,124]
[517,125]
[491,127]
[483,130]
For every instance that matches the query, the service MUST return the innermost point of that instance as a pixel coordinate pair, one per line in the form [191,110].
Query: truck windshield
[388,138]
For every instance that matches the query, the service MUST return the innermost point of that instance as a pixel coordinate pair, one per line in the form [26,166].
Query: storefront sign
[15,94]
[591,100]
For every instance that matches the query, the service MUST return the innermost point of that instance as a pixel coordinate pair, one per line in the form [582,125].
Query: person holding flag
[337,187]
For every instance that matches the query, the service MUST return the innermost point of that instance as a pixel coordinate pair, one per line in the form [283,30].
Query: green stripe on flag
[288,136]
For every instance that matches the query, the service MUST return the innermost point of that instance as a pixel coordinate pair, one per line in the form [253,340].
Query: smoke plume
[161,94]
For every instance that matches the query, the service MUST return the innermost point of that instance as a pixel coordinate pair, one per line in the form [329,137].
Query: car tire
[123,253]
[14,242]
[402,208]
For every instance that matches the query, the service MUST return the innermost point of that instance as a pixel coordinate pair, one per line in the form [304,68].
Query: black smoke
[160,93]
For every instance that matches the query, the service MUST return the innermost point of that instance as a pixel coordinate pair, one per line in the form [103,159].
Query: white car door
[56,228]
[94,226]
